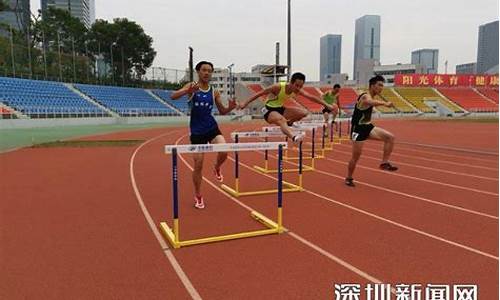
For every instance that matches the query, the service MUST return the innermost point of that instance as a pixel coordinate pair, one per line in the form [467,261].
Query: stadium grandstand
[25,98]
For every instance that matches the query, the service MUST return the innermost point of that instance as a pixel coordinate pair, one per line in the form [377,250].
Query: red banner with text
[445,80]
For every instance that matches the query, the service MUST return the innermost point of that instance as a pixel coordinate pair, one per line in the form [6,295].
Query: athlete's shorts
[361,132]
[326,110]
[206,137]
[267,110]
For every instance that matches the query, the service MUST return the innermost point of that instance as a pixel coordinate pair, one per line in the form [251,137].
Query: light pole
[59,53]
[191,75]
[12,51]
[231,82]
[74,58]
[28,37]
[112,66]
[289,42]
[123,68]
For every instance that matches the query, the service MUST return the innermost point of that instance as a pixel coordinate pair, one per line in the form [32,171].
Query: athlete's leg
[293,114]
[357,149]
[221,156]
[276,118]
[326,117]
[197,172]
[385,136]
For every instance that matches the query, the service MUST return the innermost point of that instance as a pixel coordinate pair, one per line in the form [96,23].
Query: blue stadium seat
[127,101]
[41,99]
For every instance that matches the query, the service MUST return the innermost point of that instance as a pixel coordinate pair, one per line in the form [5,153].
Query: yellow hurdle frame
[236,192]
[173,234]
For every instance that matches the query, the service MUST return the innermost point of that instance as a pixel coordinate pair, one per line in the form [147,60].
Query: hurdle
[312,151]
[173,234]
[266,135]
[310,127]
[341,137]
[236,191]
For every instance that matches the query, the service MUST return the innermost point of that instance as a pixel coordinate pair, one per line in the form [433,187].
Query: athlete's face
[297,85]
[336,90]
[378,87]
[205,73]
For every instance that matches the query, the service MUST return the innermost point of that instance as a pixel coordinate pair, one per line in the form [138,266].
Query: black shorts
[268,110]
[205,138]
[326,110]
[360,133]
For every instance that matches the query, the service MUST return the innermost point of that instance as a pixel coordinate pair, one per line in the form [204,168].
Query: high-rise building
[366,43]
[487,48]
[469,68]
[17,15]
[426,57]
[81,9]
[330,55]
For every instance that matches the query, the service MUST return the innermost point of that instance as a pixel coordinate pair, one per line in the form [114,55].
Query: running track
[81,222]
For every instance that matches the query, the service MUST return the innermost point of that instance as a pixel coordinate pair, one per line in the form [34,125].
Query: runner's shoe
[218,174]
[198,202]
[349,182]
[388,167]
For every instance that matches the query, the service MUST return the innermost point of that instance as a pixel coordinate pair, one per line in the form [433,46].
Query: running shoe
[388,167]
[198,202]
[349,182]
[218,174]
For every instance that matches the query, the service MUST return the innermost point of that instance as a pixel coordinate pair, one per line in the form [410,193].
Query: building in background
[81,9]
[330,55]
[388,71]
[335,78]
[221,80]
[366,46]
[16,16]
[469,68]
[428,58]
[487,48]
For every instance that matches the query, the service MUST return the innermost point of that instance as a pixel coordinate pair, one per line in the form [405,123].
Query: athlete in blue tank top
[202,124]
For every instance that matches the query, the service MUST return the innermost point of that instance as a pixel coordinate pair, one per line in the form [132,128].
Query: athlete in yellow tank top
[274,110]
[331,97]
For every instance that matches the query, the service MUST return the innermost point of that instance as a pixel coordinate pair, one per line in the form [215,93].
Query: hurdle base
[274,171]
[273,228]
[289,189]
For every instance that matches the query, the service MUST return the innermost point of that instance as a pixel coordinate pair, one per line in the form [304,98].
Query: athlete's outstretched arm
[371,102]
[231,104]
[187,89]
[272,89]
[318,100]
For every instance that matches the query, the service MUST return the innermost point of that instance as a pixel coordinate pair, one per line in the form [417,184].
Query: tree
[3,5]
[123,36]
[60,24]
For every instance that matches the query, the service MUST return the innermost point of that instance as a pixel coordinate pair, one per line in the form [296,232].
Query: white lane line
[299,238]
[433,160]
[166,250]
[418,231]
[425,168]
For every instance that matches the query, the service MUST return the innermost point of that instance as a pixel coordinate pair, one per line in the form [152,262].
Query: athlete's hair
[336,86]
[376,79]
[201,63]
[298,76]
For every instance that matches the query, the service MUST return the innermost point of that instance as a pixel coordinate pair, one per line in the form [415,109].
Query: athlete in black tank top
[362,128]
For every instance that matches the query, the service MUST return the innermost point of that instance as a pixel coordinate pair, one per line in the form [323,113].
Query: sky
[244,32]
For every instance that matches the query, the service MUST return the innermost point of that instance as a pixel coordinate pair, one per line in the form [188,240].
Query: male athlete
[275,113]
[331,97]
[204,128]
[362,128]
